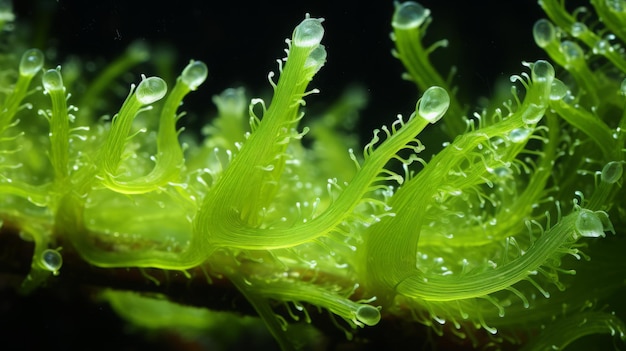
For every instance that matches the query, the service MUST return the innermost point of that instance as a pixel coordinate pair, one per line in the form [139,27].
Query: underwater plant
[509,234]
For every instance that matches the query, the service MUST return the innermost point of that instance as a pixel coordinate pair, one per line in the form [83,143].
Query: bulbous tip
[52,80]
[409,15]
[542,71]
[150,90]
[316,59]
[138,51]
[6,12]
[231,102]
[308,33]
[519,135]
[572,51]
[433,104]
[51,260]
[368,315]
[612,172]
[31,62]
[558,90]
[194,74]
[589,225]
[578,29]
[544,32]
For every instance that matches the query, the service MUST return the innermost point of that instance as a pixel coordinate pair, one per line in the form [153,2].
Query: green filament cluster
[483,241]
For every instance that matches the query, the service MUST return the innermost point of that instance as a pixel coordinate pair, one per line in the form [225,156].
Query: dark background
[240,41]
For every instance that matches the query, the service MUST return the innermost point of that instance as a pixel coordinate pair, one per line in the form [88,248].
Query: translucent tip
[572,52]
[150,90]
[519,135]
[558,90]
[611,172]
[51,260]
[589,225]
[6,11]
[194,74]
[231,102]
[31,62]
[52,80]
[433,104]
[578,28]
[316,59]
[368,315]
[138,51]
[615,5]
[409,15]
[542,71]
[602,47]
[543,32]
[308,33]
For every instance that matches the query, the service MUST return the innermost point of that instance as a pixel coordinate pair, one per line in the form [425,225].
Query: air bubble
[543,32]
[433,104]
[368,315]
[150,90]
[589,225]
[194,74]
[52,80]
[51,260]
[308,33]
[558,90]
[611,172]
[519,135]
[31,62]
[542,71]
[409,15]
